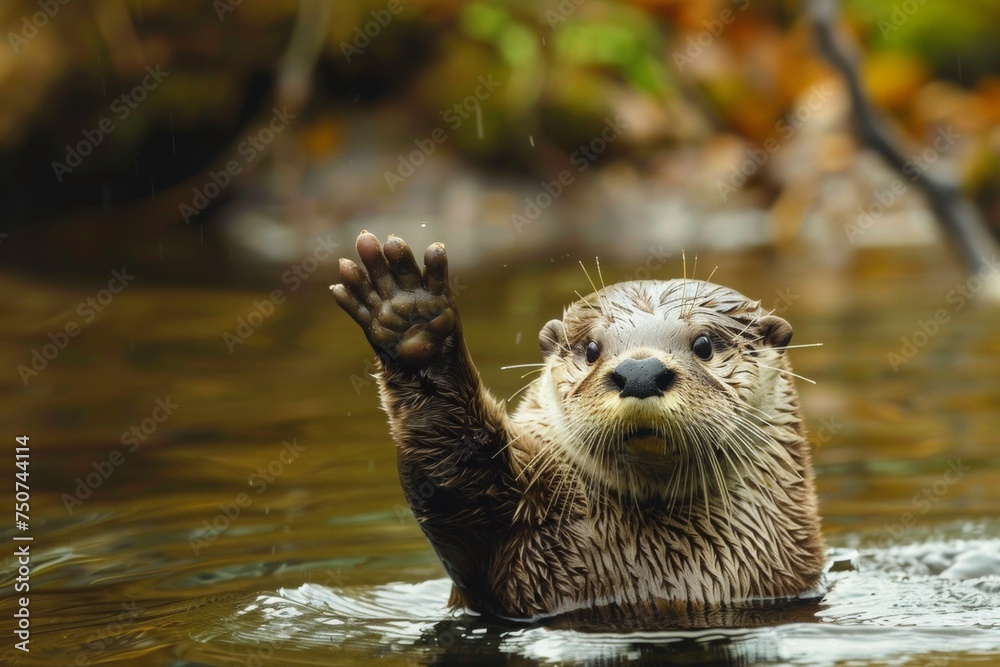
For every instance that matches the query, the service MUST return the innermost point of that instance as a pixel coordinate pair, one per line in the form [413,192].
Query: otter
[657,466]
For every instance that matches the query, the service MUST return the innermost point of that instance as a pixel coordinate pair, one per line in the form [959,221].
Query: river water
[204,499]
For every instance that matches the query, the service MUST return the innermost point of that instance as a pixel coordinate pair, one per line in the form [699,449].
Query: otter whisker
[544,451]
[551,469]
[752,421]
[743,465]
[731,392]
[589,279]
[675,473]
[702,480]
[749,434]
[585,302]
[555,342]
[511,397]
[507,368]
[560,475]
[569,345]
[750,427]
[716,468]
[597,293]
[744,406]
[787,372]
[505,447]
[754,320]
[604,455]
[684,285]
[690,484]
[619,435]
[700,285]
[780,455]
[755,461]
[792,347]
[557,496]
[724,493]
[720,442]
[527,468]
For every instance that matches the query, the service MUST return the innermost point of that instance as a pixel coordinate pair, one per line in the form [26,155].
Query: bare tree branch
[960,219]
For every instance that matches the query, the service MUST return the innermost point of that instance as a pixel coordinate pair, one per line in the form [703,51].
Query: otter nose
[642,378]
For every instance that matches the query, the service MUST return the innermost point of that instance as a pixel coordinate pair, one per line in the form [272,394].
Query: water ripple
[889,605]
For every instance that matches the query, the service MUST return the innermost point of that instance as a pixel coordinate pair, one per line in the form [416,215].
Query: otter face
[668,389]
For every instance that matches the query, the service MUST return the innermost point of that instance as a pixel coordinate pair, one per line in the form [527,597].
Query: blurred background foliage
[682,72]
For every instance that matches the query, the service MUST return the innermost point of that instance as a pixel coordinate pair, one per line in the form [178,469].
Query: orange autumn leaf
[893,79]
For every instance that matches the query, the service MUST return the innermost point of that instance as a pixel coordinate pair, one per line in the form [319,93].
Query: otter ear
[776,332]
[551,336]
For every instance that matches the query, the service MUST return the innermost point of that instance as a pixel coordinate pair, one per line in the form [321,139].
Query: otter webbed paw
[406,314]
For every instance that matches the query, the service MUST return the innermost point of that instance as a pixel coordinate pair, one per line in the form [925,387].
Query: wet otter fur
[657,467]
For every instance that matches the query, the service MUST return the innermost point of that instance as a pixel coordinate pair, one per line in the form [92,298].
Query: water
[315,559]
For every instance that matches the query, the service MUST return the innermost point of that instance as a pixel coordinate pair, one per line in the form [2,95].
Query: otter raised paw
[405,314]
[657,466]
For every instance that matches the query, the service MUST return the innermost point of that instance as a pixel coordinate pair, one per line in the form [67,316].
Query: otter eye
[702,347]
[593,351]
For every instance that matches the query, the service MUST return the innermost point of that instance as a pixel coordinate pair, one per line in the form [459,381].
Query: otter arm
[450,433]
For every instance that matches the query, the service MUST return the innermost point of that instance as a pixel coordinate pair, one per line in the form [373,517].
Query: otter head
[669,389]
